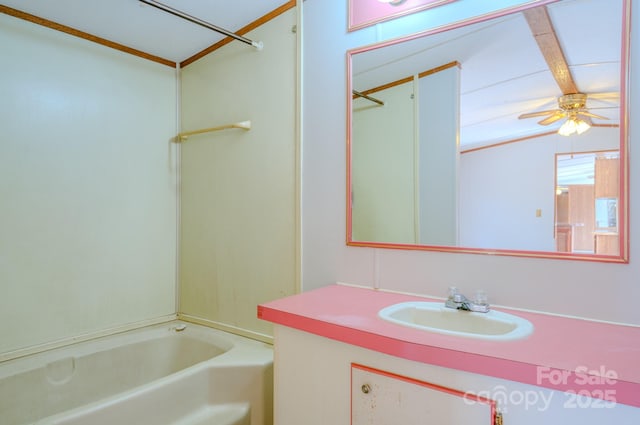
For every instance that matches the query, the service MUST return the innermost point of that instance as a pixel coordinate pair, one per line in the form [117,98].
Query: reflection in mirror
[466,139]
[587,193]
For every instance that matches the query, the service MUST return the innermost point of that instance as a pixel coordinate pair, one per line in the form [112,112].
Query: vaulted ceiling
[505,71]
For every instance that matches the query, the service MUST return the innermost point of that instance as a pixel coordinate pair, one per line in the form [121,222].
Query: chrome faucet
[459,302]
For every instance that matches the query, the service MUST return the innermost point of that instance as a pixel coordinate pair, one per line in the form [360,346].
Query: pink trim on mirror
[363,13]
[623,203]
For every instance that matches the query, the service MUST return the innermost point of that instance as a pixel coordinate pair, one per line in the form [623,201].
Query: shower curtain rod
[245,125]
[373,99]
[257,44]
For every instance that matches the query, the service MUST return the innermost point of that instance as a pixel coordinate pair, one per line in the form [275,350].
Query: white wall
[238,189]
[439,112]
[587,289]
[502,187]
[87,187]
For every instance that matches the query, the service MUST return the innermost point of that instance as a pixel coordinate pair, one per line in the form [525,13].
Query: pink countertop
[591,358]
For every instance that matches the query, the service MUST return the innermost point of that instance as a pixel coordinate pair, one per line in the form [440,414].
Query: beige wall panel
[238,191]
[87,182]
[384,176]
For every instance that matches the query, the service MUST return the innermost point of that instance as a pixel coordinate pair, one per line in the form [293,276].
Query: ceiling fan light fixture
[571,102]
[573,125]
[582,126]
[568,127]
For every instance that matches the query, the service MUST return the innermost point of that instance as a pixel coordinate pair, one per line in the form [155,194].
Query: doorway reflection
[587,195]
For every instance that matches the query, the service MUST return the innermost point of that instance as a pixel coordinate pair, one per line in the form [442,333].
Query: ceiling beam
[545,35]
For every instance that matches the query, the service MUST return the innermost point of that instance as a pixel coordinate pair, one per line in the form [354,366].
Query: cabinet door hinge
[498,419]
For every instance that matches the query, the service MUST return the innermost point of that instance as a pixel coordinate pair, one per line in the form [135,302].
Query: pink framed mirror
[363,13]
[455,134]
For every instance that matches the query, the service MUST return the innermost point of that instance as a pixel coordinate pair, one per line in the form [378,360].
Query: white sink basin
[435,317]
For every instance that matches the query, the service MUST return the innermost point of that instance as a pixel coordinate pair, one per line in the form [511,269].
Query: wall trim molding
[226,328]
[242,31]
[34,349]
[84,35]
[126,49]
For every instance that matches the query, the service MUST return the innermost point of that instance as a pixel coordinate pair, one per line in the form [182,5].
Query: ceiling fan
[572,105]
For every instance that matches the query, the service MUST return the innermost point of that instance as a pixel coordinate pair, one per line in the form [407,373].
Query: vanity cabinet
[607,193]
[582,217]
[314,386]
[607,177]
[380,398]
[553,375]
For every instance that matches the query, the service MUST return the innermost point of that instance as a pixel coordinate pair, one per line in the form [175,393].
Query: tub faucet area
[458,301]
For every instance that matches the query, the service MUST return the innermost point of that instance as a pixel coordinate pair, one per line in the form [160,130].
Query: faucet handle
[455,295]
[453,291]
[480,297]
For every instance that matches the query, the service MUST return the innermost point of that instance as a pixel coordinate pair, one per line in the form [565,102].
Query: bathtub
[174,373]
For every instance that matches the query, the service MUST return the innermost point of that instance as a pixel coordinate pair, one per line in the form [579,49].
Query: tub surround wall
[88,187]
[89,178]
[606,291]
[394,181]
[238,188]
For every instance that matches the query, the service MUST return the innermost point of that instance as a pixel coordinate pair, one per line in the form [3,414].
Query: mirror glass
[500,135]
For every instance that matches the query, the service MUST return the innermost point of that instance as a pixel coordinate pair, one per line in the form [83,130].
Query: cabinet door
[607,181]
[582,216]
[383,398]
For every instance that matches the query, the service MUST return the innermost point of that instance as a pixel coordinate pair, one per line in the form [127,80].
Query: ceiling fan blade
[593,108]
[591,115]
[604,95]
[538,114]
[553,118]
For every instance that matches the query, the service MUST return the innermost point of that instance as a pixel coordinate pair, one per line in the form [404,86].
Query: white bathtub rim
[200,371]
[223,340]
[120,397]
[193,372]
[241,351]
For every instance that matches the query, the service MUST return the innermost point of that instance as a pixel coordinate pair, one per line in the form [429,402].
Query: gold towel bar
[245,125]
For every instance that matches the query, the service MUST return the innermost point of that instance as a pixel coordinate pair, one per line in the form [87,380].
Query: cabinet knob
[365,388]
